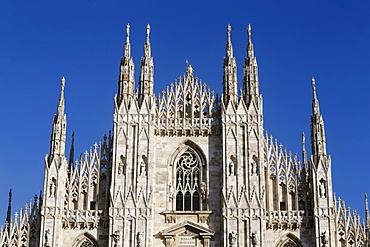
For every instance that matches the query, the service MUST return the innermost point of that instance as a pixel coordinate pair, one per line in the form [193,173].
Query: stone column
[206,241]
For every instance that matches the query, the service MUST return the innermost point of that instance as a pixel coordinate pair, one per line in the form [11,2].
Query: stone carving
[116,237]
[254,240]
[139,237]
[324,239]
[254,166]
[121,165]
[203,191]
[143,166]
[232,239]
[322,189]
[142,169]
[231,168]
[47,232]
[170,191]
[190,70]
[262,197]
[52,187]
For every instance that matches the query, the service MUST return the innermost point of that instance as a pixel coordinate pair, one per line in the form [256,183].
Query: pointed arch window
[188,180]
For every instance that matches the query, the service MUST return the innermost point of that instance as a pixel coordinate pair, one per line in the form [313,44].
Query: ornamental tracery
[188,181]
[87,243]
[289,244]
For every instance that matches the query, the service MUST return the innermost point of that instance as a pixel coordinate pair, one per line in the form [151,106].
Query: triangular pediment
[187,226]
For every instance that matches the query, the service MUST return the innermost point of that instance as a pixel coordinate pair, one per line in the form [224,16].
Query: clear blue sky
[41,41]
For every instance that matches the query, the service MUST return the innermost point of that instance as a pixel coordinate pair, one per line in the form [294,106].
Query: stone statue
[170,191]
[142,168]
[232,239]
[139,239]
[190,70]
[116,237]
[322,190]
[203,191]
[324,239]
[121,165]
[52,188]
[254,167]
[254,239]
[47,232]
[231,168]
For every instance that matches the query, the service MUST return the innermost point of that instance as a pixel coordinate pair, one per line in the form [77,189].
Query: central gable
[187,233]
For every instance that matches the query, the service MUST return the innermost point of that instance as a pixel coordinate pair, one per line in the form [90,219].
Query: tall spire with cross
[250,68]
[146,82]
[230,82]
[126,81]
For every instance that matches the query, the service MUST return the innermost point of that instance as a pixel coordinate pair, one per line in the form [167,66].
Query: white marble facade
[188,168]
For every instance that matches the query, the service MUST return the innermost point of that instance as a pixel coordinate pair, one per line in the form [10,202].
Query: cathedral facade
[187,168]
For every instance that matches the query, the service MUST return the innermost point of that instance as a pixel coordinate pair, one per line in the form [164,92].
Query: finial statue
[147,32]
[190,70]
[228,33]
[313,84]
[249,29]
[63,81]
[366,201]
[128,30]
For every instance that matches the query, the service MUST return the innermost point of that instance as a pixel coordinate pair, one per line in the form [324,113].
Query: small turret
[126,81]
[146,83]
[230,82]
[250,82]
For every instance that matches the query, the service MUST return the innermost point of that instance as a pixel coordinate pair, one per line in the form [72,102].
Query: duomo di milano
[187,168]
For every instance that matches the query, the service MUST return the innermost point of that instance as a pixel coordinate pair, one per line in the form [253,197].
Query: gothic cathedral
[187,168]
